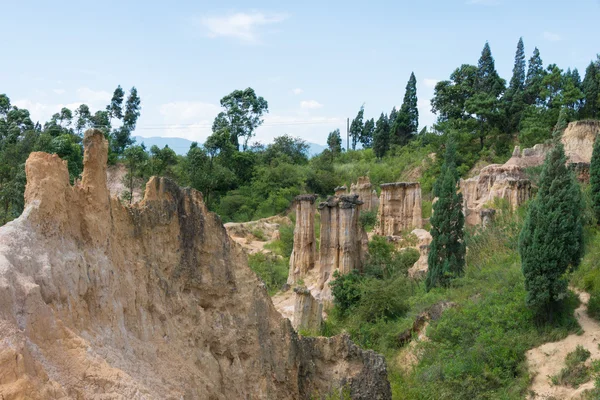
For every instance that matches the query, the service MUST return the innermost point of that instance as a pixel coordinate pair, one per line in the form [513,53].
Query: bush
[285,244]
[272,269]
[346,290]
[383,299]
[575,371]
[384,262]
[368,219]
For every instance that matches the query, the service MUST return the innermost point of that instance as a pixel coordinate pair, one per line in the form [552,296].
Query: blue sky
[314,62]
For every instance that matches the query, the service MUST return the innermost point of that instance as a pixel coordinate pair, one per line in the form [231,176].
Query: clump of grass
[575,371]
[259,235]
[272,269]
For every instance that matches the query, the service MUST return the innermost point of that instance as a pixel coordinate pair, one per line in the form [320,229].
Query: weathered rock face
[342,239]
[340,190]
[308,312]
[154,301]
[578,140]
[506,182]
[366,193]
[304,253]
[399,208]
[420,268]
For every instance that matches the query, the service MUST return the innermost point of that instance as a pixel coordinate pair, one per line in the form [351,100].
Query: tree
[595,179]
[294,149]
[334,142]
[514,99]
[366,137]
[533,80]
[135,159]
[446,258]
[450,96]
[121,137]
[552,236]
[162,160]
[381,136]
[356,127]
[406,123]
[115,108]
[83,118]
[243,114]
[591,91]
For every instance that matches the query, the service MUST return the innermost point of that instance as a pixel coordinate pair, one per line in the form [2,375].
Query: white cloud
[311,129]
[484,2]
[297,91]
[243,26]
[430,83]
[59,91]
[185,119]
[551,37]
[188,111]
[310,104]
[93,97]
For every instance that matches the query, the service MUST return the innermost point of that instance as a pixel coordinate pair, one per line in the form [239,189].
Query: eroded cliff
[99,300]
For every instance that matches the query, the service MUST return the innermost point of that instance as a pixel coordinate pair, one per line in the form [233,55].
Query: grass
[272,269]
[476,349]
[575,371]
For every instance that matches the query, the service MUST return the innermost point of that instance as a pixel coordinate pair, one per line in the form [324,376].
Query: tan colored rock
[308,312]
[399,208]
[578,140]
[99,300]
[342,240]
[304,253]
[495,181]
[419,269]
[366,193]
[340,190]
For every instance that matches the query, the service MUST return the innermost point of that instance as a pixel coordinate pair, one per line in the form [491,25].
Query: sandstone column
[399,208]
[303,255]
[308,312]
[366,193]
[341,242]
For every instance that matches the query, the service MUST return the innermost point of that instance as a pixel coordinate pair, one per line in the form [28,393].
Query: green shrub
[383,299]
[368,219]
[593,307]
[285,244]
[383,261]
[272,269]
[575,371]
[346,290]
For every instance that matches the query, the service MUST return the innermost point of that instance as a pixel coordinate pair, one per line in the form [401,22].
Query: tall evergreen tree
[356,127]
[366,138]
[595,179]
[447,251]
[406,123]
[517,82]
[591,90]
[115,108]
[552,236]
[334,142]
[381,136]
[514,99]
[533,81]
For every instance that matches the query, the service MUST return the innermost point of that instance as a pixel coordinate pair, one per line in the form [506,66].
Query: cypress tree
[381,136]
[447,251]
[533,81]
[406,122]
[514,103]
[517,82]
[595,179]
[591,90]
[366,138]
[552,236]
[356,127]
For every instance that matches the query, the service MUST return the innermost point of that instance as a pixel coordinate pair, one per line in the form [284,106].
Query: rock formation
[152,301]
[420,268]
[342,239]
[578,139]
[495,181]
[308,312]
[399,208]
[340,190]
[304,253]
[366,193]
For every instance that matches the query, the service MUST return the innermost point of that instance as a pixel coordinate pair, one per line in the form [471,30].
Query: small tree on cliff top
[552,235]
[447,251]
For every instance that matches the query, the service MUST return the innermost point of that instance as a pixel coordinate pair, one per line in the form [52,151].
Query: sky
[315,62]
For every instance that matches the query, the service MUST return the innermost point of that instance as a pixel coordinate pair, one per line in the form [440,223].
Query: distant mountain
[181,145]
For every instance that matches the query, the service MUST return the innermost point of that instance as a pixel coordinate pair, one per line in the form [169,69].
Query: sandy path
[549,358]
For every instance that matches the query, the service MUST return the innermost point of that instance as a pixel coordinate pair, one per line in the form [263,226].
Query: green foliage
[357,127]
[404,125]
[446,258]
[575,371]
[334,142]
[272,269]
[346,290]
[381,136]
[368,219]
[384,262]
[285,244]
[552,236]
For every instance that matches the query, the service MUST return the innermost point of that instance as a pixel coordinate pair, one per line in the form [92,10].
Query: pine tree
[552,236]
[356,127]
[381,136]
[447,251]
[591,90]
[488,80]
[517,82]
[533,81]
[366,138]
[595,179]
[406,123]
